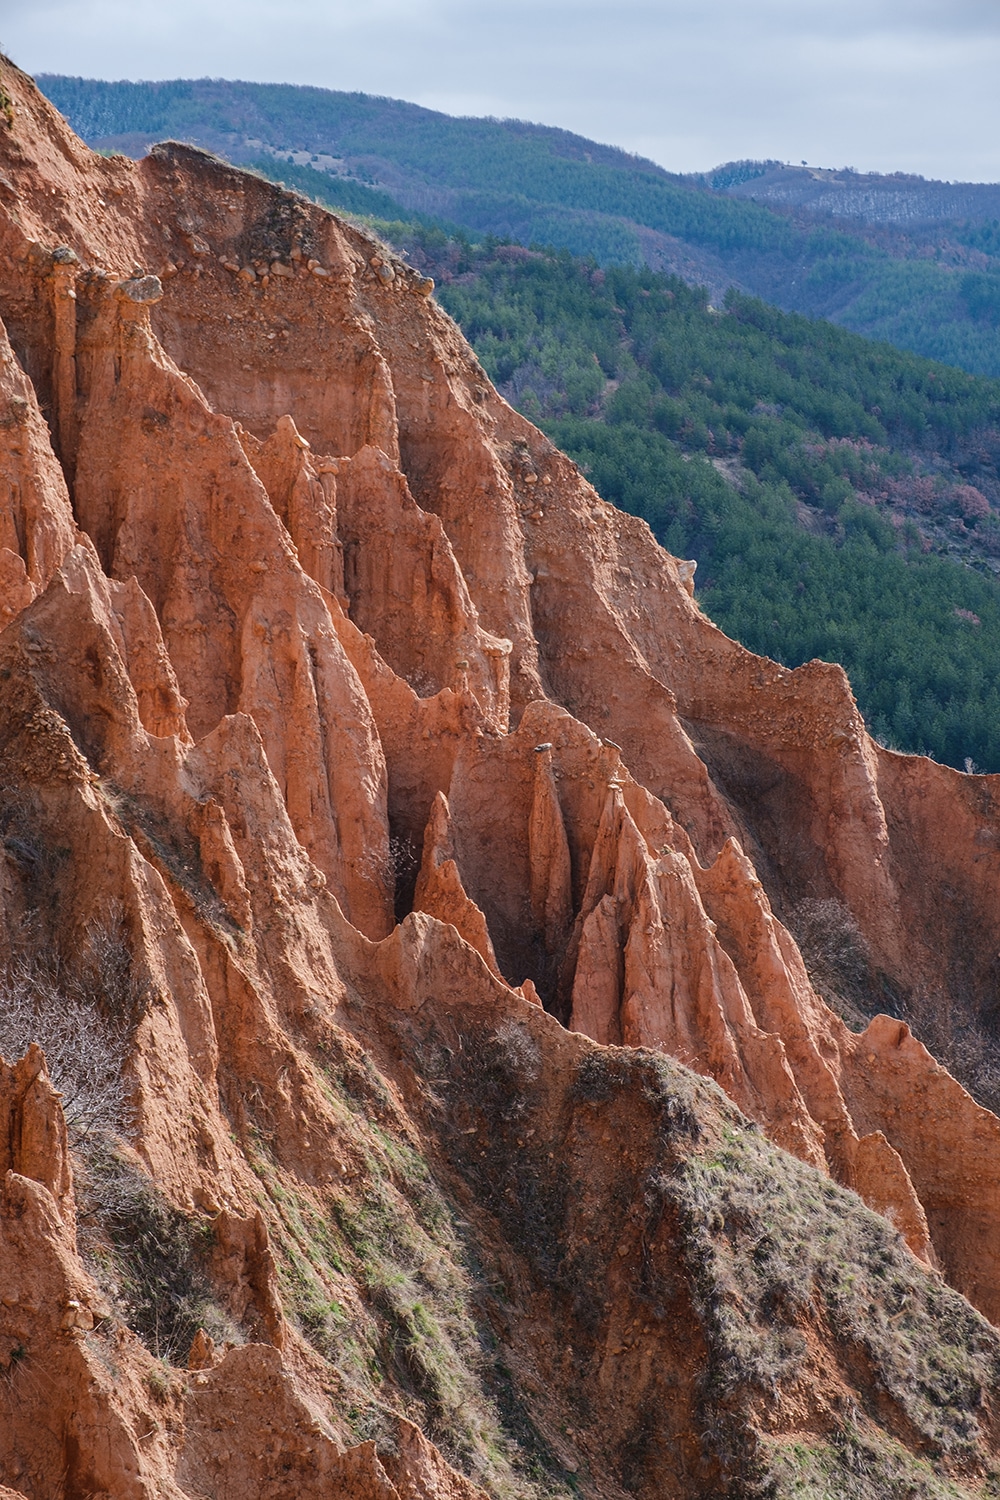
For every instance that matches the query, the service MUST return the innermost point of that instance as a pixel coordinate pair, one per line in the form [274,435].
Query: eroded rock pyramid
[421,797]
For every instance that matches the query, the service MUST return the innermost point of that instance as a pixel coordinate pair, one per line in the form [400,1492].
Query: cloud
[881,84]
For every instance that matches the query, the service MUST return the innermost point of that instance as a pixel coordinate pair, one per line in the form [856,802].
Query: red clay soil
[374,731]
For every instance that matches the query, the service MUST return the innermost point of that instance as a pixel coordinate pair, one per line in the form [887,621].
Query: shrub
[837,958]
[85,1048]
[148,1258]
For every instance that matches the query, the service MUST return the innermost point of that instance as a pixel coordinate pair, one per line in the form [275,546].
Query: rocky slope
[378,805]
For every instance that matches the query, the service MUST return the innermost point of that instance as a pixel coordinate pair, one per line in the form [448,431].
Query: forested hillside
[899,198]
[841,497]
[936,291]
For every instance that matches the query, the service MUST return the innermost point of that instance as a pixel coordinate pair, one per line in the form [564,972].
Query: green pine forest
[832,489]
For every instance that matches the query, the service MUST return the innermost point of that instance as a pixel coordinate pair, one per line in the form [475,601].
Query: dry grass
[379,1279]
[775,1249]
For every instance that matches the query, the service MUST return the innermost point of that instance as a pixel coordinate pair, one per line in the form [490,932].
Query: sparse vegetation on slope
[432,1211]
[780,1264]
[380,1279]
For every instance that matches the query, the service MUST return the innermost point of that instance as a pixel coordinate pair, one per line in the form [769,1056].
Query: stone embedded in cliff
[142,290]
[201,1355]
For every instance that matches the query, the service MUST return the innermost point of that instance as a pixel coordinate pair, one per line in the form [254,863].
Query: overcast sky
[882,85]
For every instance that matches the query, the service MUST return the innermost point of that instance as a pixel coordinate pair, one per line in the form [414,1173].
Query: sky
[879,85]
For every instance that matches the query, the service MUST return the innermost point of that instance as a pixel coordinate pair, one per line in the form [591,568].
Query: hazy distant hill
[527,182]
[896,258]
[901,199]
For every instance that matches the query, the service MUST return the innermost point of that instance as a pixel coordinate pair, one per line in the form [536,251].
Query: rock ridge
[399,757]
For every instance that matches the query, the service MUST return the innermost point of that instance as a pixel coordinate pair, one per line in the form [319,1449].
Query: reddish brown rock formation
[34,1131]
[439,890]
[305,631]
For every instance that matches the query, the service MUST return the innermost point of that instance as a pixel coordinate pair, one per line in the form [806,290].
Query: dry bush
[771,1244]
[841,969]
[84,1028]
[148,1258]
[837,959]
[961,1045]
[506,1065]
[974,1058]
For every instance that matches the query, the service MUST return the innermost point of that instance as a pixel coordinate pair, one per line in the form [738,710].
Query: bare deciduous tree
[83,1022]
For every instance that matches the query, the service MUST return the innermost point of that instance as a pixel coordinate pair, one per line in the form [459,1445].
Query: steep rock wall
[306,632]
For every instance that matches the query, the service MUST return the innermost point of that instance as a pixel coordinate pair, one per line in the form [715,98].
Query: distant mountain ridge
[309,116]
[900,198]
[915,263]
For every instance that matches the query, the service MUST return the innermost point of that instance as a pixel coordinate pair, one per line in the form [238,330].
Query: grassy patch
[377,1277]
[855,1466]
[174,850]
[148,1258]
[775,1249]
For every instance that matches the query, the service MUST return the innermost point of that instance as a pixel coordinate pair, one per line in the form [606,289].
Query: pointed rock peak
[33,1137]
[548,849]
[440,891]
[438,843]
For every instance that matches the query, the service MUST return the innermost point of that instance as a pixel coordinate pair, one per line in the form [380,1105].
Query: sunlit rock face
[341,714]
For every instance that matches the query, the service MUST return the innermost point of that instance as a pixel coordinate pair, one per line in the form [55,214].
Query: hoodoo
[341,723]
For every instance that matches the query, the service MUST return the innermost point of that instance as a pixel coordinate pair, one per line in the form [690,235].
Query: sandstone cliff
[410,843]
